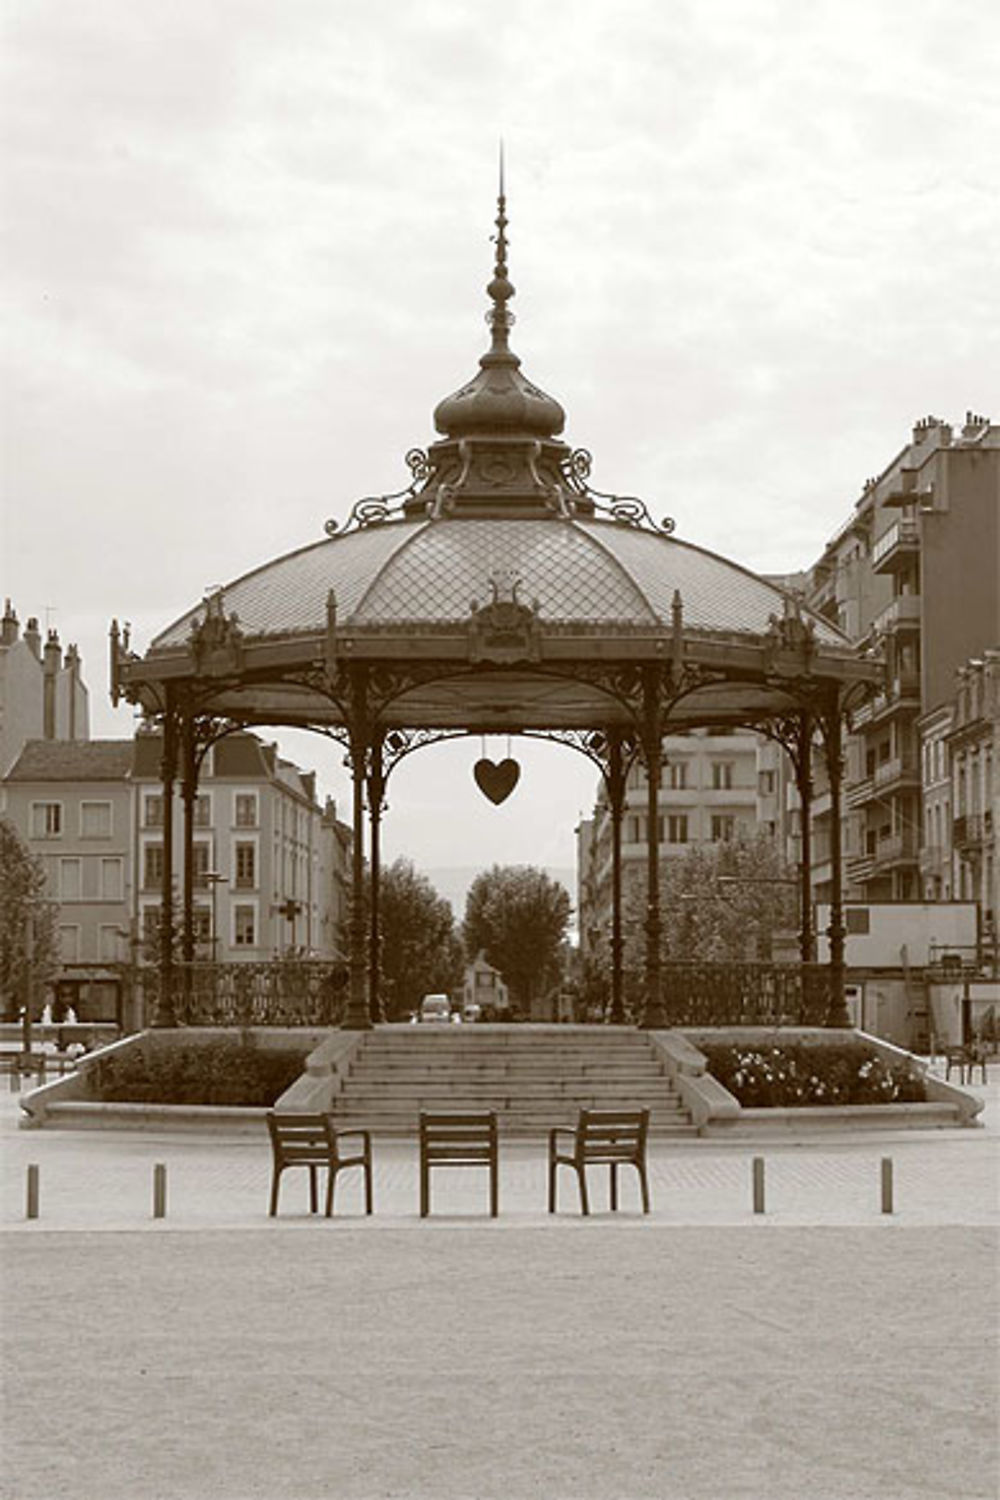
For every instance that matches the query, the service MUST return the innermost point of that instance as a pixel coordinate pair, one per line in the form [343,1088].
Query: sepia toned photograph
[500,751]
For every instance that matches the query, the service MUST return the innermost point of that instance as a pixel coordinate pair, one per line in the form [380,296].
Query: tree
[719,902]
[517,917]
[29,949]
[420,952]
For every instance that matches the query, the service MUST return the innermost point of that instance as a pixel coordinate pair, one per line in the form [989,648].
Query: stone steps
[533,1077]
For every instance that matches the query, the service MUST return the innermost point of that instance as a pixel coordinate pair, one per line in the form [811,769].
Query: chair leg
[552,1185]
[581,1173]
[331,1182]
[644,1185]
[425,1189]
[275,1180]
[494,1189]
[369,1195]
[614,1185]
[313,1198]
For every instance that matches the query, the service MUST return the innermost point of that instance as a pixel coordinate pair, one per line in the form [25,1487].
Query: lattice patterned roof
[429,572]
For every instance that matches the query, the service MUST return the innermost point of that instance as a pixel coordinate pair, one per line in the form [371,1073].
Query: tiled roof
[73,760]
[422,571]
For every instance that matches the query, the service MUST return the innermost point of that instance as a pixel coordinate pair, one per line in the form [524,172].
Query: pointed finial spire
[501,288]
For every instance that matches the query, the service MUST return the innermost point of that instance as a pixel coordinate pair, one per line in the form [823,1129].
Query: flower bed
[791,1074]
[228,1071]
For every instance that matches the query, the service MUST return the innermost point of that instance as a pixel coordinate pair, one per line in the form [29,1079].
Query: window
[108,939]
[246,866]
[69,944]
[677,828]
[200,863]
[46,820]
[246,809]
[677,775]
[112,882]
[722,775]
[857,919]
[150,928]
[152,867]
[766,783]
[723,827]
[203,810]
[632,835]
[152,810]
[244,921]
[70,879]
[202,917]
[95,820]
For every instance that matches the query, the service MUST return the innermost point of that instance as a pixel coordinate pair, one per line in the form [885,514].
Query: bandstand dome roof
[582,571]
[497,578]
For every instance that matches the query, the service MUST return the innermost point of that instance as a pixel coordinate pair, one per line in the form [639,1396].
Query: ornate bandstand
[498,593]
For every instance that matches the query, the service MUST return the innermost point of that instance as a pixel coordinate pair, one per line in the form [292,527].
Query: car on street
[435,1009]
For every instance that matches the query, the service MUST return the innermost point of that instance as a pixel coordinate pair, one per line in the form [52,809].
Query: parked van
[435,1008]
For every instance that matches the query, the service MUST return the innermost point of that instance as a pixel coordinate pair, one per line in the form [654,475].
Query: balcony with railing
[896,547]
[901,613]
[897,773]
[896,849]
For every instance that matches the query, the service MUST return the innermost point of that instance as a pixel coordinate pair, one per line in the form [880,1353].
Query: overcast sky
[246,244]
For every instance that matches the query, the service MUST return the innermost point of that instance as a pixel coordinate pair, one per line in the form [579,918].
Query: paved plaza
[823,1348]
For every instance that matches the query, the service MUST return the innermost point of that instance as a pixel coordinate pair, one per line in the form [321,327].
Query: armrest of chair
[556,1132]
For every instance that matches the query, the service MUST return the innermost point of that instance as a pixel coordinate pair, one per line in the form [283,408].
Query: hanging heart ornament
[496,781]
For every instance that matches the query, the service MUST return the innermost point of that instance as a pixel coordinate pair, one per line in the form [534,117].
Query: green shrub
[794,1074]
[234,1072]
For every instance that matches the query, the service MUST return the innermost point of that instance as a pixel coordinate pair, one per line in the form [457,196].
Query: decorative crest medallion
[504,630]
[216,640]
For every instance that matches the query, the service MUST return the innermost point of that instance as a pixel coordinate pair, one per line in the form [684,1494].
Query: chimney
[8,626]
[33,637]
[52,665]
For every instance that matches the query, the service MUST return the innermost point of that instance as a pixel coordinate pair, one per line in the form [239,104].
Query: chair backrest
[466,1137]
[612,1134]
[300,1137]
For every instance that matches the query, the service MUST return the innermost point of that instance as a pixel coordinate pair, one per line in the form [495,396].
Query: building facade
[42,693]
[71,802]
[716,786]
[270,869]
[269,862]
[915,574]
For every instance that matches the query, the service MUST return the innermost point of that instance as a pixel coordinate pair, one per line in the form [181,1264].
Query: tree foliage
[517,917]
[29,949]
[420,951]
[719,902]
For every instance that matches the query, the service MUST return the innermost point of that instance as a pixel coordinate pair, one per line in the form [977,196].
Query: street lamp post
[213,880]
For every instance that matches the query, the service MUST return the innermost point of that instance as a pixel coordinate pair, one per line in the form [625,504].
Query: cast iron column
[616,804]
[165,1014]
[376,793]
[803,781]
[654,1015]
[356,1017]
[837,1015]
[189,790]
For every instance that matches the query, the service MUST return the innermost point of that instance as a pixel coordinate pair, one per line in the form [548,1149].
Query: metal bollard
[887,1184]
[159,1191]
[758,1184]
[31,1205]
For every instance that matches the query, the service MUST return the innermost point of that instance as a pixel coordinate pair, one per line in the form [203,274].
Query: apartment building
[269,862]
[270,871]
[716,785]
[42,693]
[71,802]
[972,745]
[914,573]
